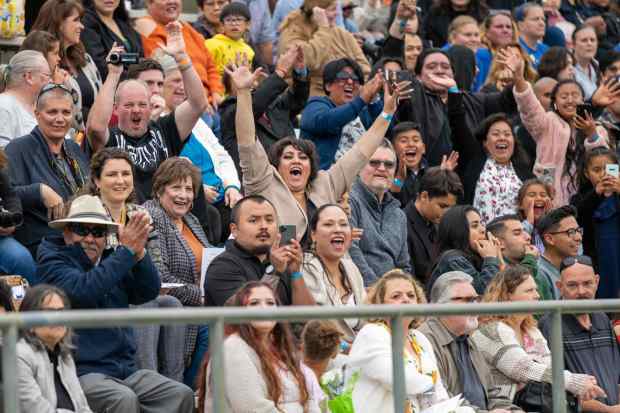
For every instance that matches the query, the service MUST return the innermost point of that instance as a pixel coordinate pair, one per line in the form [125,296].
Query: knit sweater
[511,364]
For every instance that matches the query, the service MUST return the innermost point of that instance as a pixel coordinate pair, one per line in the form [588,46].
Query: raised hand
[320,17]
[116,69]
[300,61]
[587,124]
[370,89]
[286,61]
[607,93]
[135,233]
[449,163]
[175,44]
[241,75]
[513,61]
[401,90]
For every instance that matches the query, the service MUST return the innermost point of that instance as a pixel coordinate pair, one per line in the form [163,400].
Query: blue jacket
[115,283]
[322,122]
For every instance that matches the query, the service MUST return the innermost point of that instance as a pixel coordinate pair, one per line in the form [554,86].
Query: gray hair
[442,288]
[22,62]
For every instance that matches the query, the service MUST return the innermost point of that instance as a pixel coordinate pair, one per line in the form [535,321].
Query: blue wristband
[453,89]
[398,183]
[297,275]
[387,116]
[227,187]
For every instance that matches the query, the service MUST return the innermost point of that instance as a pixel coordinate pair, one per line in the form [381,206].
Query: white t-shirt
[15,120]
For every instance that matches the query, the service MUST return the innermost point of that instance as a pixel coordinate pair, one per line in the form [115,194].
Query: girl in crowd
[321,343]
[263,371]
[557,63]
[535,199]
[107,23]
[598,207]
[463,246]
[181,242]
[329,273]
[62,18]
[47,379]
[371,354]
[464,31]
[514,347]
[443,12]
[493,164]
[586,67]
[111,179]
[48,45]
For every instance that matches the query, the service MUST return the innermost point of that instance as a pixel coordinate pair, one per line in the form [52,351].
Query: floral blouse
[496,190]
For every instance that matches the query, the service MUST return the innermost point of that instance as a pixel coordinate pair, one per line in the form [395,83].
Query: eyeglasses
[83,231]
[234,20]
[570,232]
[375,163]
[344,76]
[215,3]
[53,86]
[570,261]
[468,299]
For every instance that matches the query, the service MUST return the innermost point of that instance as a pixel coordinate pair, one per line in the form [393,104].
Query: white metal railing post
[557,363]
[398,364]
[9,368]
[216,359]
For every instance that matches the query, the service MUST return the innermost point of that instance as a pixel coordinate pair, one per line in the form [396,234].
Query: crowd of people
[313,152]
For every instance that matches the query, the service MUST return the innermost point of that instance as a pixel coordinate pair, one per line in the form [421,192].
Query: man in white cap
[97,278]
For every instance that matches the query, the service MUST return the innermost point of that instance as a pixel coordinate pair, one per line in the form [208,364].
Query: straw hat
[85,209]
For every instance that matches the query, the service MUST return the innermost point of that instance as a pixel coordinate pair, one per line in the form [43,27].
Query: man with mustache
[255,254]
[590,345]
[462,367]
[97,278]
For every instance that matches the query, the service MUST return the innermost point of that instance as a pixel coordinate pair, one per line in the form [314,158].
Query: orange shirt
[195,45]
[194,244]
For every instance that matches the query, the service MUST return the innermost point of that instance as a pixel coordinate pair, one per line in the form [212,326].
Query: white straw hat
[85,209]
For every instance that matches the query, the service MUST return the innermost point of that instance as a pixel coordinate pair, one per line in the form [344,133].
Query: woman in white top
[329,273]
[586,67]
[371,355]
[262,370]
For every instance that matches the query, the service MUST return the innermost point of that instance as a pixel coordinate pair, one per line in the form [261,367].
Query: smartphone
[547,175]
[612,169]
[288,232]
[583,108]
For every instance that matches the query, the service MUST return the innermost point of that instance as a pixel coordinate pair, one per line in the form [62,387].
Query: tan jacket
[261,178]
[320,46]
[324,293]
[441,338]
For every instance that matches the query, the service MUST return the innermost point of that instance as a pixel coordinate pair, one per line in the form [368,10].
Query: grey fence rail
[217,317]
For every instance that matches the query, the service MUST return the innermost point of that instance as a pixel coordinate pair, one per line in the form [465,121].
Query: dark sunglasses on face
[83,231]
[375,163]
[570,261]
[344,76]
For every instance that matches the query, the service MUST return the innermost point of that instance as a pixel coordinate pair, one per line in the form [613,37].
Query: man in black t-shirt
[148,142]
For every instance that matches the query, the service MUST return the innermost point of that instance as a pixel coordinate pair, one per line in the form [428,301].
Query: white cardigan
[246,389]
[222,162]
[371,354]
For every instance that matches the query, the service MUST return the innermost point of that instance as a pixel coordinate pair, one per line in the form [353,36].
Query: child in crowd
[598,210]
[225,47]
[533,201]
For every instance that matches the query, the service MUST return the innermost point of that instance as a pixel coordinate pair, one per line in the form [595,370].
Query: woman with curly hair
[512,344]
[263,373]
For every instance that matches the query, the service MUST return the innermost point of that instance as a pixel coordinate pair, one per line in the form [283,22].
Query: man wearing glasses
[590,345]
[561,236]
[462,366]
[98,279]
[373,209]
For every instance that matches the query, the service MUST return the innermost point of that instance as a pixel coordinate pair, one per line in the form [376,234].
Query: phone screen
[612,169]
[287,232]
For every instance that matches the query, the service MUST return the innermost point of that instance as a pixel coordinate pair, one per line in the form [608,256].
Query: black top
[147,152]
[422,242]
[62,395]
[593,351]
[87,92]
[409,191]
[233,268]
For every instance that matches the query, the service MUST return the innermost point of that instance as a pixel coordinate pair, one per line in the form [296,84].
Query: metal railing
[217,317]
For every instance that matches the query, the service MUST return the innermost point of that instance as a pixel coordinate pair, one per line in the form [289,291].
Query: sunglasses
[375,163]
[344,76]
[570,261]
[53,86]
[83,231]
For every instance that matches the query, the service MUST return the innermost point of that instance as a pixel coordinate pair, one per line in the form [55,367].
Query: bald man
[590,345]
[542,90]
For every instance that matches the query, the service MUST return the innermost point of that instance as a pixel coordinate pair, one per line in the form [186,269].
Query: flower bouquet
[339,391]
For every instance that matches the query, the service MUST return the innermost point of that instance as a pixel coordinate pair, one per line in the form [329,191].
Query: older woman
[371,354]
[292,181]
[181,240]
[329,273]
[47,379]
[513,345]
[263,370]
[314,27]
[158,347]
[106,23]
[62,18]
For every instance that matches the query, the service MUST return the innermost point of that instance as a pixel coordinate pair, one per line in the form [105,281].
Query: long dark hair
[554,61]
[120,13]
[97,163]
[519,158]
[281,352]
[584,182]
[477,9]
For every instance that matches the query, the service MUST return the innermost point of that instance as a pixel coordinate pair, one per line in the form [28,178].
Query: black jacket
[274,106]
[587,201]
[98,39]
[422,242]
[8,197]
[30,165]
[472,156]
[428,110]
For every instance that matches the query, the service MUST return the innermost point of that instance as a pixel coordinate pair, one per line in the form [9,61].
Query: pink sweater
[552,134]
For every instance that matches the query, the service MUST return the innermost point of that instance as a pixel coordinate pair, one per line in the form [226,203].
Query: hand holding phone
[612,169]
[287,233]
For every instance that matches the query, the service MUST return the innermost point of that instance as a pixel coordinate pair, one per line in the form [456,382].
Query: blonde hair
[459,23]
[376,293]
[529,73]
[499,290]
[486,25]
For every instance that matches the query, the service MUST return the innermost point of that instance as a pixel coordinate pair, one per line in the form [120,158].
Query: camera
[10,219]
[124,58]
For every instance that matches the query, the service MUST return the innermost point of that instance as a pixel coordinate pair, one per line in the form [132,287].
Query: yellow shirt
[224,50]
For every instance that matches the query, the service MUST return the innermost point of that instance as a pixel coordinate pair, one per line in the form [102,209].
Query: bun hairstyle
[321,340]
[309,5]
